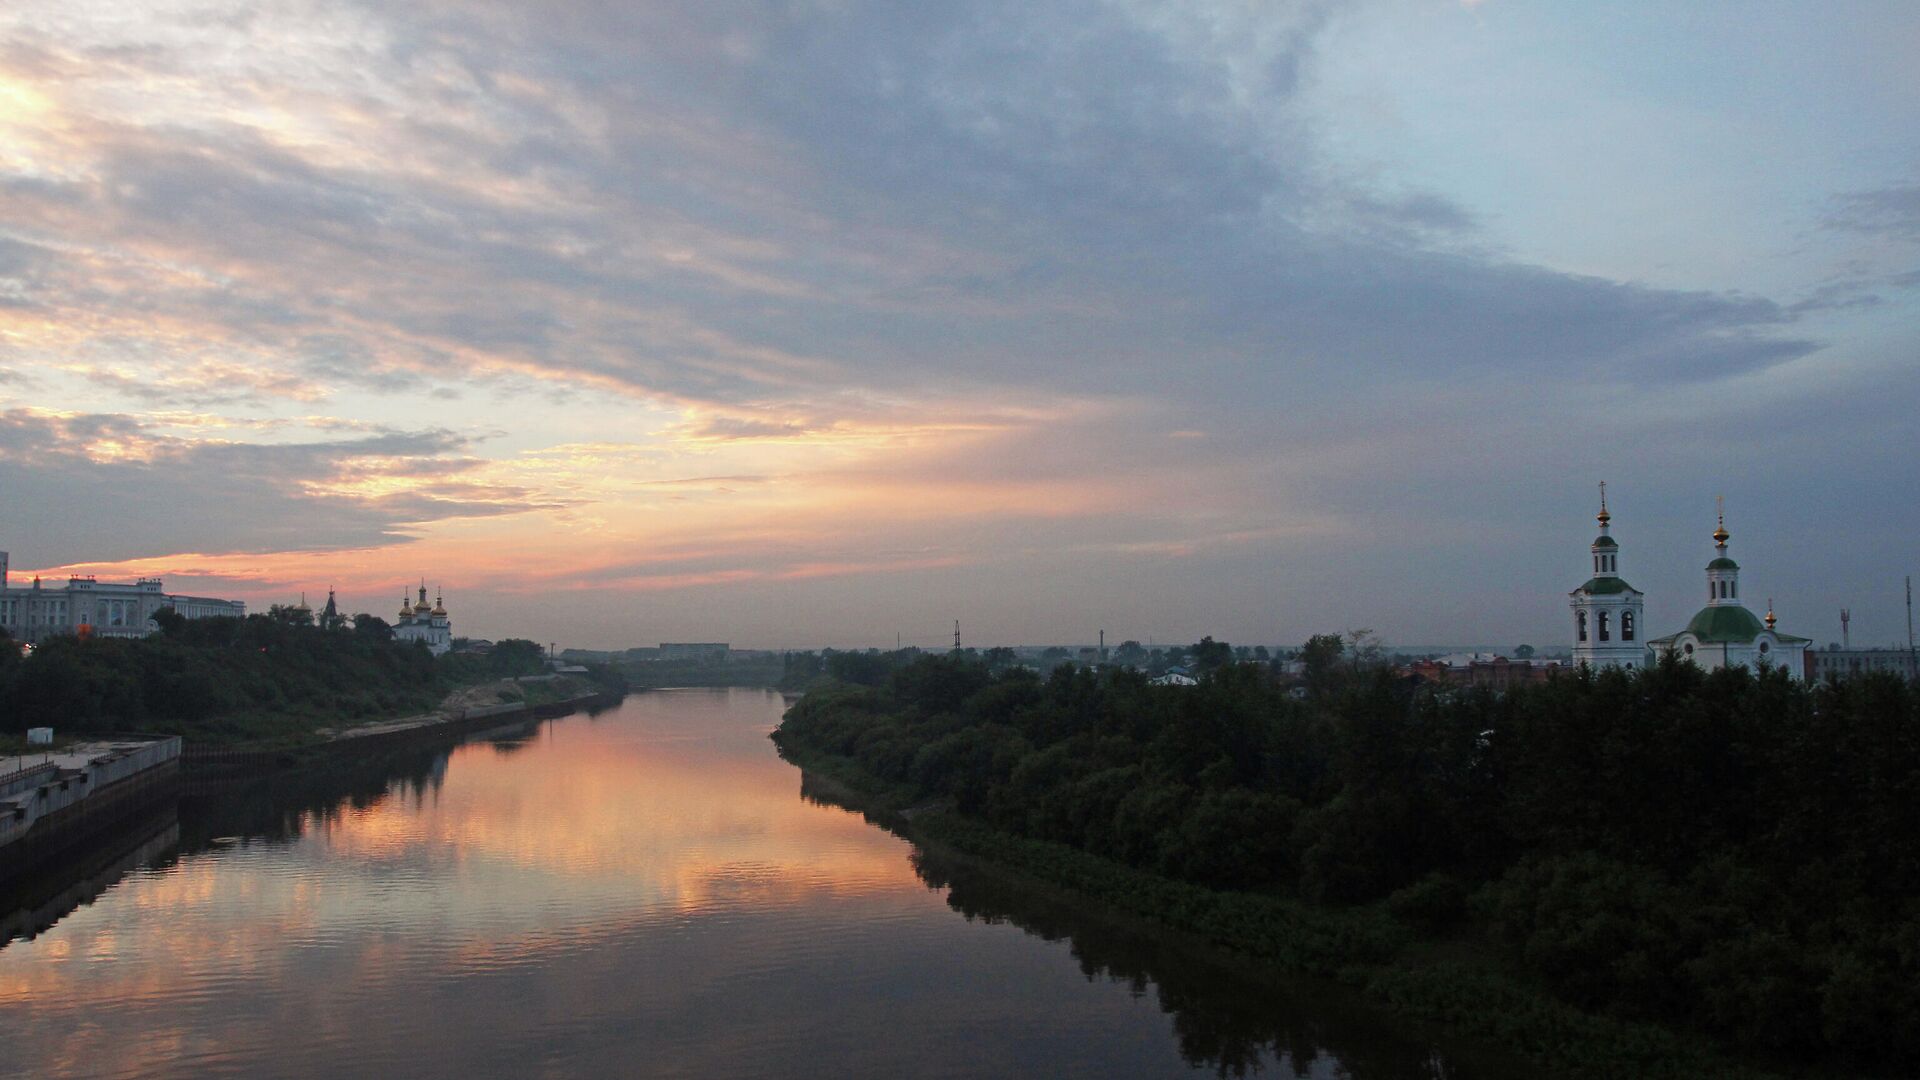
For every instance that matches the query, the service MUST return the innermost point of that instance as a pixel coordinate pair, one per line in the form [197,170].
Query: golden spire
[1720,532]
[1603,517]
[1770,619]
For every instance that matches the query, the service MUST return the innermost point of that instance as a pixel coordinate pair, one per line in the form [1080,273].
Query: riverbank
[466,710]
[1443,984]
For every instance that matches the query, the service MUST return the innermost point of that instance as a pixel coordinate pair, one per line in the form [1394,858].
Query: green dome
[1723,563]
[1605,586]
[1605,541]
[1732,623]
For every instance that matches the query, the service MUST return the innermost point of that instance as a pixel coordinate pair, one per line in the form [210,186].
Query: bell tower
[1608,613]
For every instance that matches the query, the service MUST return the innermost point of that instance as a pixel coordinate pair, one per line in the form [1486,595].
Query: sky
[818,322]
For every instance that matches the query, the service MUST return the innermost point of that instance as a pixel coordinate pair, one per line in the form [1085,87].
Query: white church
[418,622]
[1609,616]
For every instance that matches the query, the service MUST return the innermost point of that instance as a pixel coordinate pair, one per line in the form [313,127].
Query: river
[642,892]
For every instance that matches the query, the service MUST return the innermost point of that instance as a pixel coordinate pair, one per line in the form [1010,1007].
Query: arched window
[1596,564]
[1580,620]
[1603,627]
[1626,626]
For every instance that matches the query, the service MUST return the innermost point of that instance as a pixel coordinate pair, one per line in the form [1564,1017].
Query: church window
[1581,621]
[1603,627]
[1626,626]
[1763,648]
[1689,649]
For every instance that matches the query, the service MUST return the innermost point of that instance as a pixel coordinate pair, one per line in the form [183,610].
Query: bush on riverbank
[1729,853]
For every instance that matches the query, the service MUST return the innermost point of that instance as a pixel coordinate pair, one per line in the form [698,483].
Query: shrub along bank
[1579,869]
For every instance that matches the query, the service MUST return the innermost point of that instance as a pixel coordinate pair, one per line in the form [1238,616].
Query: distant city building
[429,625]
[1493,672]
[86,607]
[713,651]
[1835,662]
[1724,633]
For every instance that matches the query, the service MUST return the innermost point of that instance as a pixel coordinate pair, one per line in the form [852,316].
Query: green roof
[1723,563]
[1605,541]
[1732,623]
[1606,586]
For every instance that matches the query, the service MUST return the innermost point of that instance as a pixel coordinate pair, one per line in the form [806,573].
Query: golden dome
[439,606]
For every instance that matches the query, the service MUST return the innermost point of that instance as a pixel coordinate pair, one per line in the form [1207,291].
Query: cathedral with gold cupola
[1608,613]
[1725,633]
[420,622]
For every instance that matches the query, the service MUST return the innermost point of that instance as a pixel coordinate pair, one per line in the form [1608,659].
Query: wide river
[649,891]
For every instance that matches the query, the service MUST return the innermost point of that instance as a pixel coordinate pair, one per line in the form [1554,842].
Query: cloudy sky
[817,321]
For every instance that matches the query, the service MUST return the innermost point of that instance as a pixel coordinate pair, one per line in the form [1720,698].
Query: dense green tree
[1320,659]
[1210,655]
[1728,851]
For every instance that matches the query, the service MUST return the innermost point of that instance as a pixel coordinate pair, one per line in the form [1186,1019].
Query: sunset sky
[813,322]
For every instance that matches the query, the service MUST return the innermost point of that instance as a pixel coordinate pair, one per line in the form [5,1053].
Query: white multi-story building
[1837,662]
[431,625]
[91,608]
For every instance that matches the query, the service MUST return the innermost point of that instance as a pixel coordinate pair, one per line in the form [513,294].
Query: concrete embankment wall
[64,806]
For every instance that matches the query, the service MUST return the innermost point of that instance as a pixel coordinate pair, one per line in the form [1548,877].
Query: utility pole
[956,635]
[1103,646]
[1913,659]
[1846,639]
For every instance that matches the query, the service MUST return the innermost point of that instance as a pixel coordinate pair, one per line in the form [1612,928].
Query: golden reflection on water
[667,811]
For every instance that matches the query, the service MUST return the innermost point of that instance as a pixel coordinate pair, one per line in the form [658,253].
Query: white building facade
[428,625]
[90,608]
[1609,615]
[1725,634]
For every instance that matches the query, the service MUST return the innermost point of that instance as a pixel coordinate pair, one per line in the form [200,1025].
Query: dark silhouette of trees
[1731,852]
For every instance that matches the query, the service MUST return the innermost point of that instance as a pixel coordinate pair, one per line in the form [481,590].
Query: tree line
[1726,852]
[265,676]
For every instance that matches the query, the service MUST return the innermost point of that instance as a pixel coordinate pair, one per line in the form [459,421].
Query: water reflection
[1225,1018]
[634,893]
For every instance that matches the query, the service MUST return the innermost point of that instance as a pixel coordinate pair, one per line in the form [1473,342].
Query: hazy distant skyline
[810,323]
